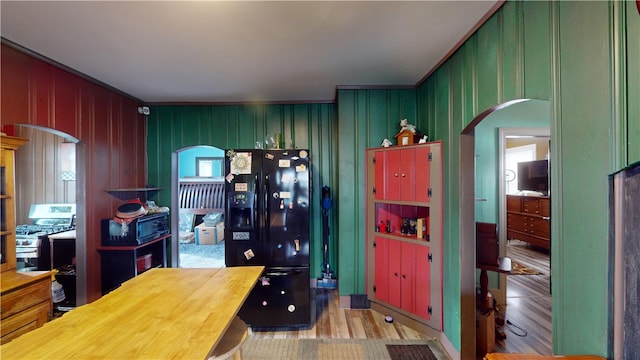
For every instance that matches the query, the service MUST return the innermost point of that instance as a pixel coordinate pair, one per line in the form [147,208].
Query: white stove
[47,219]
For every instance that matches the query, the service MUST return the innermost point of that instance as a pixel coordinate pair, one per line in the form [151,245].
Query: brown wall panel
[111,149]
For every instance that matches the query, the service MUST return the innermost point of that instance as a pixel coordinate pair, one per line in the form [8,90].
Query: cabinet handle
[396,174]
[404,276]
[395,274]
[546,218]
[402,175]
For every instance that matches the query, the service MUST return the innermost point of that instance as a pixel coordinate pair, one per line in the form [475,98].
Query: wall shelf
[142,193]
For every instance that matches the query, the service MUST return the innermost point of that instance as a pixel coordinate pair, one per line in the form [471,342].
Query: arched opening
[50,170]
[483,189]
[197,191]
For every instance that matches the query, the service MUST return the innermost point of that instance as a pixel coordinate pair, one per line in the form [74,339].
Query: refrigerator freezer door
[286,212]
[243,225]
[280,298]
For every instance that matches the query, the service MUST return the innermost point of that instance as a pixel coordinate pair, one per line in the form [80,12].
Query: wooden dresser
[25,298]
[529,219]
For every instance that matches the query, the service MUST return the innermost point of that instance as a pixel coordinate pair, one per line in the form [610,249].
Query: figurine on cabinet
[408,134]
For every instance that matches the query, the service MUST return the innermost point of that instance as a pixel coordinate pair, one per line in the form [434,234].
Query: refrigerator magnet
[240,187]
[269,156]
[303,154]
[301,168]
[284,163]
[285,194]
[229,178]
[241,163]
[249,254]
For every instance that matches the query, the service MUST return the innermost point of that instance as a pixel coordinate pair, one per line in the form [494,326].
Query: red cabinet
[402,174]
[404,192]
[402,275]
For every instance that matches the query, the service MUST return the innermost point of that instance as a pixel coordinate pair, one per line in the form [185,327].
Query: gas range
[47,219]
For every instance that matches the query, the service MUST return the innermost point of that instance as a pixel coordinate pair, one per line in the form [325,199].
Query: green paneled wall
[365,118]
[584,57]
[631,42]
[540,50]
[312,126]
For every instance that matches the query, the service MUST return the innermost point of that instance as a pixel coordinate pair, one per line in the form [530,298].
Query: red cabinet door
[381,271]
[407,175]
[392,174]
[395,270]
[422,287]
[422,173]
[407,286]
[379,174]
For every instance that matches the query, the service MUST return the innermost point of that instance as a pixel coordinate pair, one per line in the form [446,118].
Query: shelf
[130,248]
[399,236]
[132,193]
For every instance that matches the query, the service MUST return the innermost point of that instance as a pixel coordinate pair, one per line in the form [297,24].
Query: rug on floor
[339,349]
[201,256]
[519,269]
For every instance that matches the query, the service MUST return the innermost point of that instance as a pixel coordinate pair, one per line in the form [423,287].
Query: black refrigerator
[267,223]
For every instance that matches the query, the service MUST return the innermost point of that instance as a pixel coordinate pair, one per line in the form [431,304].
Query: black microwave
[138,231]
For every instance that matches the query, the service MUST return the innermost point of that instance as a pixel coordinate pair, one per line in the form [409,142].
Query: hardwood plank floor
[332,322]
[528,303]
[528,307]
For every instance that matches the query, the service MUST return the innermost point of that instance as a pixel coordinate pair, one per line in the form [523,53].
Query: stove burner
[31,229]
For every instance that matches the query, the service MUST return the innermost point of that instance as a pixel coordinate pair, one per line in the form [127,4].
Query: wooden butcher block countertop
[161,314]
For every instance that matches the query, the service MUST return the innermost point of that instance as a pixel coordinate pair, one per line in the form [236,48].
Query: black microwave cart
[121,263]
[144,247]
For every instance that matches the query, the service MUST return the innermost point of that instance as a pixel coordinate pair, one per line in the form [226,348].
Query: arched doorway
[516,113]
[50,170]
[198,194]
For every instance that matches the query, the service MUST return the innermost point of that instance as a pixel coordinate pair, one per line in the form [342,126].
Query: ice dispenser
[241,210]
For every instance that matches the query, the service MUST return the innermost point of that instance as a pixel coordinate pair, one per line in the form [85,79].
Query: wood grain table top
[164,313]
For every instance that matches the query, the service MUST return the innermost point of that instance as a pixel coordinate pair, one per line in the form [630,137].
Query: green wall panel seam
[556,188]
[619,154]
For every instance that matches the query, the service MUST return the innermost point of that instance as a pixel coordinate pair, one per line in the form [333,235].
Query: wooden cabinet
[402,275]
[402,174]
[26,302]
[404,195]
[121,263]
[529,219]
[7,201]
[25,298]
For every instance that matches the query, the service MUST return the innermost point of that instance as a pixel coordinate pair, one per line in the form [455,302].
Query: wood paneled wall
[110,138]
[365,118]
[538,50]
[310,126]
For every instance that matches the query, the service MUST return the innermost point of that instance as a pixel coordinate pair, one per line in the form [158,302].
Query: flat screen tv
[534,176]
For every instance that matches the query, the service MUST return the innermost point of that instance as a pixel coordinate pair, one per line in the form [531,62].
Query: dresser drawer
[20,299]
[531,206]
[514,203]
[517,221]
[25,321]
[545,207]
[539,227]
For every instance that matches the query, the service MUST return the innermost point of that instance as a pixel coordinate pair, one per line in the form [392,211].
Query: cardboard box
[209,235]
[485,332]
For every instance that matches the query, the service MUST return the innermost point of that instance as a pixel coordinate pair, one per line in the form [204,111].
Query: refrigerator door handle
[256,189]
[267,217]
[282,273]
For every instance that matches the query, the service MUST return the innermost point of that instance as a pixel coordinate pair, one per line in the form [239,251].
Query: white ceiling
[239,51]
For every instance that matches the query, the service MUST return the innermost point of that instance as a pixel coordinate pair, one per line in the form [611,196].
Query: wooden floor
[333,322]
[528,303]
[528,307]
